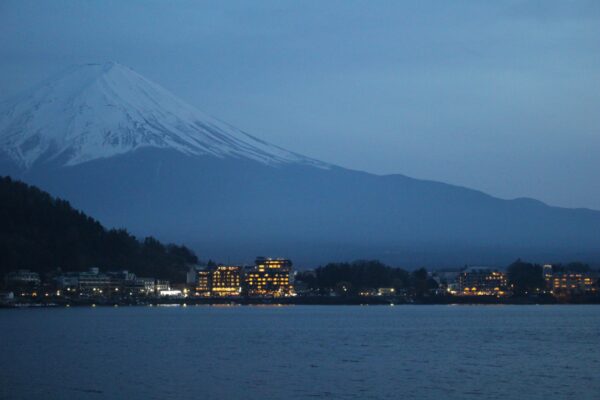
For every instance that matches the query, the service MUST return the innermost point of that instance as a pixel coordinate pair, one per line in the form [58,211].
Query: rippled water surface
[343,352]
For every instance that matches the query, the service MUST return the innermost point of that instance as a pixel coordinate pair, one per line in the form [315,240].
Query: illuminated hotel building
[270,277]
[203,283]
[481,281]
[225,280]
[568,283]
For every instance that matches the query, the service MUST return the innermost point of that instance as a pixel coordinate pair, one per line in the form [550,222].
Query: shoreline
[292,301]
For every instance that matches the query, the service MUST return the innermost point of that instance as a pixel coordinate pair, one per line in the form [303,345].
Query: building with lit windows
[547,272]
[140,286]
[270,277]
[481,281]
[160,286]
[226,280]
[573,283]
[203,282]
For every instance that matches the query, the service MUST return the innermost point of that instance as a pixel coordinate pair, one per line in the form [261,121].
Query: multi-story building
[120,277]
[148,283]
[160,286]
[203,282]
[120,280]
[270,277]
[481,281]
[547,272]
[225,280]
[141,286]
[191,277]
[22,278]
[93,282]
[573,283]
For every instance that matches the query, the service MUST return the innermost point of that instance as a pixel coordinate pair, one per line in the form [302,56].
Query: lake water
[298,352]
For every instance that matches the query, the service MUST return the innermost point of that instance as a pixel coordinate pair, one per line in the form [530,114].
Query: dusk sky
[499,96]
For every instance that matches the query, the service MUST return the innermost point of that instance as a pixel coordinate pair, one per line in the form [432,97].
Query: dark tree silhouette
[525,278]
[43,233]
[357,276]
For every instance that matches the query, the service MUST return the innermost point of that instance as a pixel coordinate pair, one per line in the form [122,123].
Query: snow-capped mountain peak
[96,111]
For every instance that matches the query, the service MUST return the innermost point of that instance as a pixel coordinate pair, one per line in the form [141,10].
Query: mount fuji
[130,153]
[102,110]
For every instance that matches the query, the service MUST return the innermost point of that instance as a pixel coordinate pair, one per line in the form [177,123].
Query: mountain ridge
[278,202]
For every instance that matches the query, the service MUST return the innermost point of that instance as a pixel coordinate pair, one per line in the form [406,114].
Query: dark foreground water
[343,352]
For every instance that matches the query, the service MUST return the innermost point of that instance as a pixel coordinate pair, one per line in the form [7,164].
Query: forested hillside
[42,233]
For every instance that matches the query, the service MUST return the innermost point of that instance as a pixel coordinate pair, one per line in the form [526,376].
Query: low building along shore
[275,280]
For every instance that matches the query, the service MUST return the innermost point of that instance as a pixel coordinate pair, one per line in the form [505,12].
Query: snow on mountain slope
[96,111]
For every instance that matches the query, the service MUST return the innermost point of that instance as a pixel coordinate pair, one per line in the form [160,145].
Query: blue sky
[500,96]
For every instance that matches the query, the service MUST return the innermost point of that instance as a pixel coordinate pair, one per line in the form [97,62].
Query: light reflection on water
[339,352]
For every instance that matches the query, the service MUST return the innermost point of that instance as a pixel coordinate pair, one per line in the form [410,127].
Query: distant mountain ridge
[128,152]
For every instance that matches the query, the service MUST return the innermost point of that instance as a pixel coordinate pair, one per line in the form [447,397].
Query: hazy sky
[500,96]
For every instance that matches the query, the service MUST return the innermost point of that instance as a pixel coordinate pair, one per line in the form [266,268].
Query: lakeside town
[275,281]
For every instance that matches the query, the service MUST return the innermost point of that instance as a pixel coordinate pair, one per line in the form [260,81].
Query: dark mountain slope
[234,208]
[42,233]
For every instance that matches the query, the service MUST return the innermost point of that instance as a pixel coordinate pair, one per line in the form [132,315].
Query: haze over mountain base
[233,209]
